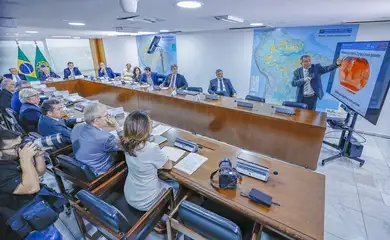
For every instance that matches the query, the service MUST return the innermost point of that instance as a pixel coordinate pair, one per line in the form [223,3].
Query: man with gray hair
[91,144]
[7,90]
[30,112]
[15,102]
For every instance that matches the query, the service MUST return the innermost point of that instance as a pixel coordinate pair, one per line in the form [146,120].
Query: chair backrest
[10,116]
[75,168]
[195,89]
[255,98]
[3,124]
[104,212]
[207,223]
[295,104]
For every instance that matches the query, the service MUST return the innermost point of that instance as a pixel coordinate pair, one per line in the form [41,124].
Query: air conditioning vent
[140,19]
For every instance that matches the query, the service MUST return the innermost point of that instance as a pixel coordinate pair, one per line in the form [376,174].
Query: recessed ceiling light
[76,24]
[164,30]
[146,33]
[76,37]
[31,31]
[189,4]
[60,36]
[257,24]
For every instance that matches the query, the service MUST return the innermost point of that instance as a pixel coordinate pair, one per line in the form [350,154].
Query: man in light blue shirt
[93,146]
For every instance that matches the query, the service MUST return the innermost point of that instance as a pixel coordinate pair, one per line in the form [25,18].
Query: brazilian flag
[25,67]
[40,61]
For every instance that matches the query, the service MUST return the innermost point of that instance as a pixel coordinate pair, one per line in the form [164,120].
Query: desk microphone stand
[345,140]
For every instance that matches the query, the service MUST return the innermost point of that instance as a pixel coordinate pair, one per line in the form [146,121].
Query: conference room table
[296,138]
[300,192]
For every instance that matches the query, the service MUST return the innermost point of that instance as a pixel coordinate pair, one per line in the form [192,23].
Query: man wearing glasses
[20,169]
[29,111]
[93,146]
[51,121]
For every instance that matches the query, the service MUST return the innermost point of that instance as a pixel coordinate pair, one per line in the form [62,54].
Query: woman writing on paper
[143,187]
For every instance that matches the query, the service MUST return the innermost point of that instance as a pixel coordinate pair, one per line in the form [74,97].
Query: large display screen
[362,81]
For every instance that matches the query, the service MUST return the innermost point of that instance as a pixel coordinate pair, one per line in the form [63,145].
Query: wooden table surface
[300,192]
[296,139]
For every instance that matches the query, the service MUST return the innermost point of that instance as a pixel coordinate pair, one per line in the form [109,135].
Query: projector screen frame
[386,60]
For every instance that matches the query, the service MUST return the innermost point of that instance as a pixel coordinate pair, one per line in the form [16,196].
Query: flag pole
[17,43]
[35,43]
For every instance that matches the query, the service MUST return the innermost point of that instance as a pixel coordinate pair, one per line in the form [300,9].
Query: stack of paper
[191,163]
[172,153]
[160,129]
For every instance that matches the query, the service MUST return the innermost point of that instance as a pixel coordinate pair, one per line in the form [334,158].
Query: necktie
[220,85]
[173,81]
[307,84]
[17,78]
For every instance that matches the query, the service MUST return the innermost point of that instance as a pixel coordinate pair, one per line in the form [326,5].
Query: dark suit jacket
[5,99]
[109,71]
[15,102]
[29,116]
[48,126]
[43,77]
[67,72]
[9,75]
[155,78]
[315,71]
[228,87]
[180,81]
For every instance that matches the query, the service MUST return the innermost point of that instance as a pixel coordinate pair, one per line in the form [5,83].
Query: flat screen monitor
[154,44]
[362,81]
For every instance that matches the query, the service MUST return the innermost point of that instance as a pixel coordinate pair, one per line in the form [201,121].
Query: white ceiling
[50,17]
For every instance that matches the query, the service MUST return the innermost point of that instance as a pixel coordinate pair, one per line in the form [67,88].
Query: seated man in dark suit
[175,80]
[71,71]
[7,90]
[150,77]
[15,102]
[14,75]
[106,71]
[51,121]
[91,144]
[221,86]
[20,169]
[30,112]
[46,74]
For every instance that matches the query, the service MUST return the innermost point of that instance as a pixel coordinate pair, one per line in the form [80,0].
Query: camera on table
[43,143]
[228,176]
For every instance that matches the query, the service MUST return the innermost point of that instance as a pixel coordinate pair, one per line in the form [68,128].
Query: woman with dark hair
[143,187]
[137,74]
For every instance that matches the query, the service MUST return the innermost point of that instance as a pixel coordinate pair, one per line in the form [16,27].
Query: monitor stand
[344,141]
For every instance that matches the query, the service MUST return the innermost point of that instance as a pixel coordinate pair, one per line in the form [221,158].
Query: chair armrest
[110,182]
[58,171]
[62,151]
[256,232]
[107,175]
[153,215]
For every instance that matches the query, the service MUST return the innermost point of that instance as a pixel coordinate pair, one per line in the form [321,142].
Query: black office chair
[3,124]
[195,89]
[107,209]
[255,98]
[295,104]
[11,118]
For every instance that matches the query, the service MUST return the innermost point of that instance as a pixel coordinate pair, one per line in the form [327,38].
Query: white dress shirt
[307,89]
[219,85]
[16,78]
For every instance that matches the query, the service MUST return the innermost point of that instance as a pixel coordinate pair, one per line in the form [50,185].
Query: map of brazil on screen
[167,46]
[276,54]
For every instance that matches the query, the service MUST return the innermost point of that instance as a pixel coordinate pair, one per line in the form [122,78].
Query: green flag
[40,60]
[25,67]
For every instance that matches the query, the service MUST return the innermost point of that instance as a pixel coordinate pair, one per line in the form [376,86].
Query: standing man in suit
[7,90]
[106,71]
[14,75]
[151,77]
[175,80]
[307,79]
[47,74]
[71,71]
[221,86]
